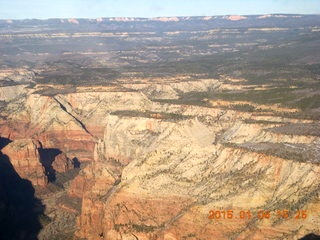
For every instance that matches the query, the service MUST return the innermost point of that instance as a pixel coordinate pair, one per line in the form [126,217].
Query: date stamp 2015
[260,214]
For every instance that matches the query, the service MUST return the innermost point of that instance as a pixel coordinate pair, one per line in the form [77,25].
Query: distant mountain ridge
[163,23]
[171,18]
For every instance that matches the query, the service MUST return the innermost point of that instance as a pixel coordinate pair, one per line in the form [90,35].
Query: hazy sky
[20,9]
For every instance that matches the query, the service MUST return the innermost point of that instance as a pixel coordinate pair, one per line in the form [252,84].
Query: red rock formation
[80,185]
[95,179]
[62,163]
[165,196]
[72,142]
[25,158]
[129,214]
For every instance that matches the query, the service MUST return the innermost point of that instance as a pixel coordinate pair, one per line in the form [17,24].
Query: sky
[44,9]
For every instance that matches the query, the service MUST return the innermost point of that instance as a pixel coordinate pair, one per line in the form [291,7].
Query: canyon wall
[155,170]
[174,171]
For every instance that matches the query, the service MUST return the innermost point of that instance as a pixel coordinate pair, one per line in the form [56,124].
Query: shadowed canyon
[160,129]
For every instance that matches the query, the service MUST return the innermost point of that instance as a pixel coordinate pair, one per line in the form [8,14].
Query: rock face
[56,127]
[25,158]
[155,170]
[34,163]
[172,89]
[72,123]
[11,92]
[94,182]
[62,163]
[20,210]
[175,172]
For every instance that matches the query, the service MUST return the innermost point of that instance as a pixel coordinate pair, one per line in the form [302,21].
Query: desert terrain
[160,129]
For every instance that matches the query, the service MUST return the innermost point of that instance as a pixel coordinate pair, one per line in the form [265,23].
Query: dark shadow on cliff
[47,156]
[4,142]
[76,163]
[310,236]
[19,208]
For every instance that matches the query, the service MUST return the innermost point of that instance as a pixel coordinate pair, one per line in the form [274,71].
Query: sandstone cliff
[62,163]
[25,158]
[156,169]
[174,173]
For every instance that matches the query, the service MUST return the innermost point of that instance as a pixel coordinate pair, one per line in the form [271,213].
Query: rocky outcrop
[20,210]
[62,163]
[175,172]
[25,158]
[72,123]
[159,168]
[34,163]
[11,92]
[172,88]
[14,76]
[153,205]
[94,182]
[44,118]
[93,107]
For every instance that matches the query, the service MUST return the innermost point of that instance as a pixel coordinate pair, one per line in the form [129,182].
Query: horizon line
[171,16]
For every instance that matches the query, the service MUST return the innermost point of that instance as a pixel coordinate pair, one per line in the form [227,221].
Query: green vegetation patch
[78,76]
[269,96]
[311,129]
[150,114]
[295,152]
[307,103]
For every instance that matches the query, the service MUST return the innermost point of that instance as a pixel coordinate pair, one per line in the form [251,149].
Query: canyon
[167,128]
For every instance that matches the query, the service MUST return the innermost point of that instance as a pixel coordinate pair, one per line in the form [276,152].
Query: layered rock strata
[25,158]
